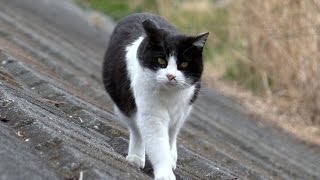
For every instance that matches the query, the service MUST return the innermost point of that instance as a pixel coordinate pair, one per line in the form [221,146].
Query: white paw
[174,156]
[165,175]
[173,164]
[136,160]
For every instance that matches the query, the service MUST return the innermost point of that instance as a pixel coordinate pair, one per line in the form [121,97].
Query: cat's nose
[171,76]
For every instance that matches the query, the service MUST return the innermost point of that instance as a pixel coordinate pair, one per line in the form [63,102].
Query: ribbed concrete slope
[57,121]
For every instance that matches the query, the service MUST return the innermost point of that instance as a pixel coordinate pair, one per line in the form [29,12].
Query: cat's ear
[200,40]
[153,32]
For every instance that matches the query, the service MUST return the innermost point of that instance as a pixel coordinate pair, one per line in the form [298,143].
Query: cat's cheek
[187,80]
[190,81]
[181,78]
[161,76]
[149,76]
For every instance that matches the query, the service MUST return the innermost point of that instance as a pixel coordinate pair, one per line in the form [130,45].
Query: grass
[114,8]
[283,42]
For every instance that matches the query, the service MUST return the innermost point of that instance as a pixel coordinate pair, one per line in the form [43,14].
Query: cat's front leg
[154,131]
[136,152]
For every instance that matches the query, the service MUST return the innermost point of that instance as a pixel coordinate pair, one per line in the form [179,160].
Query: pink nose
[170,76]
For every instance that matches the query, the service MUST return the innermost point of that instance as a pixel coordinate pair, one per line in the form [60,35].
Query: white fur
[162,107]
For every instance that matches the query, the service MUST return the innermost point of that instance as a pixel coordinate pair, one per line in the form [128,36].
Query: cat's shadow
[148,168]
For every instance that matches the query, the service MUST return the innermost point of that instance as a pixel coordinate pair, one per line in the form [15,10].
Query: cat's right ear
[153,32]
[200,40]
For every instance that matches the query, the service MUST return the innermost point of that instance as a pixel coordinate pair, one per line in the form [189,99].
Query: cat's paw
[165,175]
[136,160]
[173,164]
[174,156]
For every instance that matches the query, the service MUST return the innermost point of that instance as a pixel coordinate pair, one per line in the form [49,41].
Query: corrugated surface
[56,120]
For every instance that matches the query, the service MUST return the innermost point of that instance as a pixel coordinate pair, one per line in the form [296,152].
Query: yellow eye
[184,64]
[162,61]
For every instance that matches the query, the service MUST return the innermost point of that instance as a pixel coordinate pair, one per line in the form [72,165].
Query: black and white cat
[152,73]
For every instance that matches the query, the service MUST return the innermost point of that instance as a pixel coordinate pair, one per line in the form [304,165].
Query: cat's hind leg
[136,151]
[173,134]
[173,147]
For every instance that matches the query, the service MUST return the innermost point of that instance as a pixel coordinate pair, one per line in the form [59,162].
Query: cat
[153,73]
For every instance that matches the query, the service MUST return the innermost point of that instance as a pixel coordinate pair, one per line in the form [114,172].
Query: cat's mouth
[171,85]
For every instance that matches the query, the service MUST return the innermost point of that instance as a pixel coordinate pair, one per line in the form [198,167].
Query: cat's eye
[184,64]
[162,61]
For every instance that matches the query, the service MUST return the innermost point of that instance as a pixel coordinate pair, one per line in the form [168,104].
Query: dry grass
[283,42]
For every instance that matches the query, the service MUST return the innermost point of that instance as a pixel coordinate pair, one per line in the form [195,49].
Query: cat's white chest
[177,104]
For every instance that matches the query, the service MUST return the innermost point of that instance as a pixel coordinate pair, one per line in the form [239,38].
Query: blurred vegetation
[115,9]
[283,42]
[270,47]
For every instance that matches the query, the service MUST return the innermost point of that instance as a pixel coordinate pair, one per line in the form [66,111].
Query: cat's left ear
[200,40]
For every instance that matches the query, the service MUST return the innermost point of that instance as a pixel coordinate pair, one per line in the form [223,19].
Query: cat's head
[171,59]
